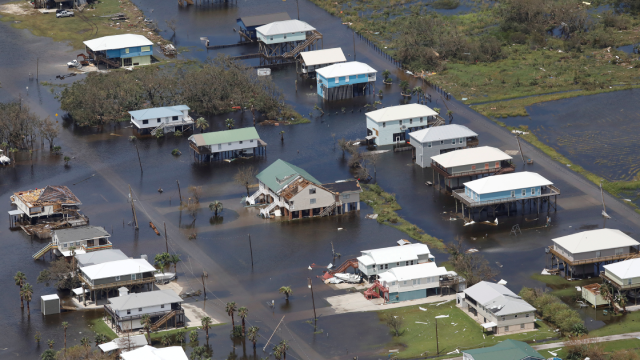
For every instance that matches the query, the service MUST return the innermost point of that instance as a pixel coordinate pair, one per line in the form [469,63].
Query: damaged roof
[279,175]
[52,194]
[339,187]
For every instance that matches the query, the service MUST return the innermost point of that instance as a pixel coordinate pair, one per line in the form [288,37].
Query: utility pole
[251,250]
[204,289]
[298,7]
[166,239]
[354,45]
[140,162]
[437,343]
[37,67]
[179,193]
[333,252]
[133,208]
[313,301]
[520,147]
[274,331]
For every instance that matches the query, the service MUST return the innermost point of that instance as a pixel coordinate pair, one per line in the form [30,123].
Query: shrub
[550,308]
[518,38]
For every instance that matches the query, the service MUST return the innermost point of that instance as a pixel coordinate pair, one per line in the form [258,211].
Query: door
[486,166]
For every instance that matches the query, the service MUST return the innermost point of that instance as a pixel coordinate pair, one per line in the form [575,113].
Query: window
[420,119]
[159,120]
[271,38]
[162,306]
[337,81]
[516,315]
[174,118]
[533,191]
[312,201]
[411,262]
[128,312]
[133,276]
[239,142]
[521,326]
[346,196]
[145,121]
[381,267]
[629,282]
[524,192]
[598,254]
[406,263]
[386,266]
[400,122]
[219,146]
[346,79]
[473,167]
[145,48]
[453,142]
[65,244]
[619,251]
[127,62]
[312,191]
[404,283]
[513,193]
[526,315]
[486,166]
[384,124]
[428,144]
[126,51]
[250,141]
[139,309]
[410,121]
[117,278]
[393,283]
[503,318]
[285,36]
[397,264]
[441,142]
[497,164]
[229,143]
[461,140]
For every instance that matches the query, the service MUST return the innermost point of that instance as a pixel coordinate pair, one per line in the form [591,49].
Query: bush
[236,331]
[175,152]
[518,38]
[445,4]
[177,133]
[550,308]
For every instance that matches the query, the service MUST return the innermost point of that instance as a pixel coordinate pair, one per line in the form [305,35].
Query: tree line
[20,128]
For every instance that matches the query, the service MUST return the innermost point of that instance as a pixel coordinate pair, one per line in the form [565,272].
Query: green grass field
[610,346]
[100,327]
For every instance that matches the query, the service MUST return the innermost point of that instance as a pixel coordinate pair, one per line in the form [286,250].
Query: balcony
[461,196]
[633,253]
[159,314]
[116,284]
[505,168]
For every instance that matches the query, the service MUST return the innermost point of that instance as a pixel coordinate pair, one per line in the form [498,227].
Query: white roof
[326,56]
[150,353]
[470,156]
[117,268]
[444,132]
[50,297]
[594,240]
[506,182]
[420,271]
[345,69]
[117,42]
[144,299]
[400,112]
[393,254]
[625,269]
[284,27]
[498,299]
[78,291]
[134,341]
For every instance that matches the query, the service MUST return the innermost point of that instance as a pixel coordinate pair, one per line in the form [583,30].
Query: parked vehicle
[64,13]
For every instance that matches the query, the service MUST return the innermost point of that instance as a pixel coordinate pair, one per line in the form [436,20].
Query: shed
[312,60]
[591,293]
[50,304]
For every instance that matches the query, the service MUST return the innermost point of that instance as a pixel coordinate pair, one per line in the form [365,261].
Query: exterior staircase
[345,265]
[265,212]
[163,320]
[327,211]
[44,250]
[315,35]
[159,127]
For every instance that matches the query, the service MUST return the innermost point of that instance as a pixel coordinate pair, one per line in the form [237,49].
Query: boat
[164,278]
[348,278]
[4,160]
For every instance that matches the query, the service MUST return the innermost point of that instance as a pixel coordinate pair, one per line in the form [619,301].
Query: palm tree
[175,259]
[65,325]
[243,312]
[202,124]
[27,294]
[165,340]
[162,260]
[146,325]
[385,76]
[606,290]
[86,344]
[418,91]
[48,355]
[51,343]
[100,339]
[180,335]
[283,348]
[215,207]
[20,278]
[282,136]
[230,123]
[253,335]
[437,110]
[277,352]
[206,325]
[230,309]
[404,85]
[286,290]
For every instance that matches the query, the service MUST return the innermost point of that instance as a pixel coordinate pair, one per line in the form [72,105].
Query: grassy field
[458,331]
[610,346]
[100,327]
[75,30]
[385,205]
[156,336]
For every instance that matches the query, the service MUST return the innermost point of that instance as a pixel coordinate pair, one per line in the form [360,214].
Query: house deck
[505,168]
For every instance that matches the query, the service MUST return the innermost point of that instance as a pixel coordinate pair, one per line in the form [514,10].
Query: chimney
[144,257]
[123,291]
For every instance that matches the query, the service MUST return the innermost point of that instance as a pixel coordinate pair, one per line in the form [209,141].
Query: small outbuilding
[346,80]
[166,119]
[50,304]
[392,124]
[248,24]
[312,60]
[120,50]
[591,293]
[124,344]
[438,140]
[148,352]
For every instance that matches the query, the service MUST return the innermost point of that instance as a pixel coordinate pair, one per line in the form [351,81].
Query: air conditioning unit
[403,127]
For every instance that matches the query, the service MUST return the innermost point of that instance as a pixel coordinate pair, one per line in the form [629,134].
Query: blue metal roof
[153,113]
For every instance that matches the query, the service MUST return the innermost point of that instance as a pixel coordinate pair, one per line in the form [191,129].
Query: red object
[236,107]
[345,265]
[374,291]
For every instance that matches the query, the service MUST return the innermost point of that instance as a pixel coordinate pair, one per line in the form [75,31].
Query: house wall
[592,298]
[275,39]
[424,151]
[380,268]
[153,123]
[474,167]
[130,52]
[413,285]
[516,194]
[349,197]
[145,310]
[113,279]
[31,212]
[513,321]
[353,79]
[234,145]
[384,130]
[137,60]
[302,200]
[619,281]
[591,254]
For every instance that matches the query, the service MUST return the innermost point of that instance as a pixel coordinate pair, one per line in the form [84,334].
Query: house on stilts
[624,276]
[346,80]
[164,119]
[249,24]
[122,50]
[310,61]
[227,144]
[281,42]
[107,277]
[164,307]
[438,140]
[502,194]
[393,124]
[80,240]
[466,164]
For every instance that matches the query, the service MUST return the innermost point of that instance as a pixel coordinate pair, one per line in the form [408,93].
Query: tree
[286,290]
[282,136]
[37,337]
[230,123]
[579,329]
[471,266]
[27,294]
[20,278]
[200,353]
[48,131]
[385,76]
[622,302]
[175,259]
[162,260]
[50,343]
[62,273]
[243,312]
[66,160]
[193,336]
[344,145]
[253,335]
[206,325]
[65,325]
[283,349]
[48,355]
[395,323]
[437,110]
[418,91]
[450,114]
[165,340]
[100,339]
[56,149]
[146,325]
[607,292]
[202,124]
[215,207]
[244,176]
[373,159]
[230,308]
[404,85]
[180,335]
[277,352]
[172,24]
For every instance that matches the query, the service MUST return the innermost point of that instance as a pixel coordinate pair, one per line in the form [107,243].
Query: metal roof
[345,69]
[128,342]
[117,268]
[153,113]
[81,233]
[50,297]
[506,182]
[400,112]
[99,257]
[226,136]
[343,186]
[325,56]
[444,132]
[279,174]
[593,240]
[284,27]
[505,350]
[470,156]
[625,269]
[117,42]
[498,299]
[144,299]
[150,353]
[420,271]
[259,20]
[394,254]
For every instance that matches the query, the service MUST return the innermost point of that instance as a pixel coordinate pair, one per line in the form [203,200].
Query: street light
[437,343]
[315,318]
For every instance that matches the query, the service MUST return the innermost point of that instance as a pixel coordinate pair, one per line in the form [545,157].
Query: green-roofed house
[290,191]
[227,144]
[506,350]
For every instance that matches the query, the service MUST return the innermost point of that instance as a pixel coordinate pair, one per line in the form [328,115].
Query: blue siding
[133,52]
[504,194]
[353,79]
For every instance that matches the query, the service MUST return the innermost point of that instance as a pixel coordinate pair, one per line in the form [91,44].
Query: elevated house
[164,307]
[310,61]
[81,239]
[116,51]
[502,192]
[150,353]
[412,282]
[166,119]
[438,140]
[106,277]
[463,164]
[377,261]
[227,144]
[99,257]
[497,308]
[248,24]
[583,254]
[625,277]
[290,191]
[281,42]
[393,124]
[505,350]
[345,80]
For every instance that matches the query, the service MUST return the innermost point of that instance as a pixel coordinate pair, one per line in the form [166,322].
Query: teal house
[120,50]
[506,350]
[346,80]
[520,186]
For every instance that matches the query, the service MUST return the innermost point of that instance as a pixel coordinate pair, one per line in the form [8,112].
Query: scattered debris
[502,282]
[421,308]
[168,49]
[469,223]
[470,251]
[371,216]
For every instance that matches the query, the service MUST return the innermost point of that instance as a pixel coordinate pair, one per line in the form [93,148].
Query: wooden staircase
[327,211]
[44,250]
[293,53]
[345,265]
[163,320]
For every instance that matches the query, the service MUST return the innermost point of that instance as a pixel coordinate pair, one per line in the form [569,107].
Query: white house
[163,307]
[392,124]
[111,275]
[377,261]
[82,238]
[412,282]
[439,140]
[50,201]
[283,31]
[150,353]
[228,143]
[167,119]
[312,60]
[99,257]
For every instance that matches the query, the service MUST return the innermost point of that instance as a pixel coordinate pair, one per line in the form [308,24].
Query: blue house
[346,80]
[120,50]
[520,186]
[248,24]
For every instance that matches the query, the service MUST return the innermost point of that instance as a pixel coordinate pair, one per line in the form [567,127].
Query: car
[73,63]
[64,13]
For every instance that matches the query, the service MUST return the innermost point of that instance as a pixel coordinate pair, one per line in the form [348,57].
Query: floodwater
[104,164]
